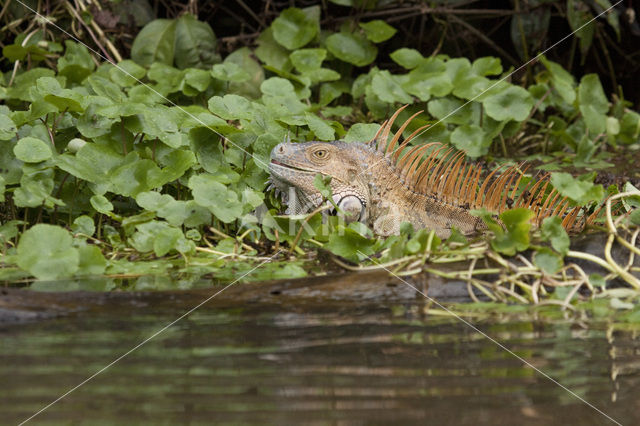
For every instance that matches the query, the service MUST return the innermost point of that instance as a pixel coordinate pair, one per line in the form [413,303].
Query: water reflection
[324,364]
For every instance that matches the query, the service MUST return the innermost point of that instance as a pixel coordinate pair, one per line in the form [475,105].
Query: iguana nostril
[281,149]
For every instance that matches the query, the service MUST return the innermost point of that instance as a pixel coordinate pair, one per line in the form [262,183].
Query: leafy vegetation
[157,165]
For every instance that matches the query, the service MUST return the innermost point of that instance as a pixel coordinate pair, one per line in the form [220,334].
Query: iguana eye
[320,154]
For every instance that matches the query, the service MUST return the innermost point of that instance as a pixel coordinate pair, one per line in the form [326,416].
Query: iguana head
[294,166]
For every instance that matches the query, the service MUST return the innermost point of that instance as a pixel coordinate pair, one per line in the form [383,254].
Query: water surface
[317,361]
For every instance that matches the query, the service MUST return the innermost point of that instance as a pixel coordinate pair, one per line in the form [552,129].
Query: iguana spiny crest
[386,182]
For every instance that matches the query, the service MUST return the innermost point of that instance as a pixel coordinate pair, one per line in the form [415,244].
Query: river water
[310,361]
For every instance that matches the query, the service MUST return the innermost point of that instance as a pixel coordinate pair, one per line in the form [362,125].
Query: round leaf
[512,103]
[45,251]
[293,28]
[32,150]
[352,48]
[378,31]
[155,43]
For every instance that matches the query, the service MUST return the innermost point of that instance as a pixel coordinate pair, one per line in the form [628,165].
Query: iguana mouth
[288,166]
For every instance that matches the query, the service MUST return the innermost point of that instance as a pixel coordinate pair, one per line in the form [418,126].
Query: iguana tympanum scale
[384,183]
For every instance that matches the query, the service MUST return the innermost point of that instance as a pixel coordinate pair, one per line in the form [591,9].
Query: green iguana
[431,185]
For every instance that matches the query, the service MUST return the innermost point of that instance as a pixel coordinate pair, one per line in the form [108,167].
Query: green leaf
[451,110]
[101,204]
[126,73]
[516,236]
[229,72]
[352,48]
[231,107]
[561,80]
[513,103]
[547,260]
[487,65]
[83,225]
[32,150]
[76,64]
[271,52]
[244,58]
[361,132]
[593,104]
[580,191]
[377,31]
[63,99]
[322,130]
[155,43]
[90,261]
[554,232]
[293,28]
[8,128]
[308,60]
[580,21]
[407,58]
[195,43]
[471,139]
[348,243]
[220,200]
[386,87]
[46,252]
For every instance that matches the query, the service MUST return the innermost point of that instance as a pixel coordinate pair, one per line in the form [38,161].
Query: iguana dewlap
[386,183]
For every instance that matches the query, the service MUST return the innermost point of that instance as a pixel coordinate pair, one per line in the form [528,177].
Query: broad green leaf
[308,60]
[92,162]
[407,58]
[229,71]
[472,87]
[107,90]
[580,191]
[554,232]
[126,73]
[547,260]
[101,204]
[377,30]
[561,80]
[195,43]
[593,104]
[529,29]
[348,243]
[487,65]
[155,43]
[135,175]
[516,236]
[271,52]
[580,21]
[386,87]
[76,64]
[83,225]
[22,84]
[322,130]
[362,132]
[471,139]
[90,261]
[231,107]
[32,150]
[46,252]
[293,28]
[244,58]
[220,200]
[352,48]
[512,103]
[451,110]
[630,127]
[208,151]
[8,128]
[63,99]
